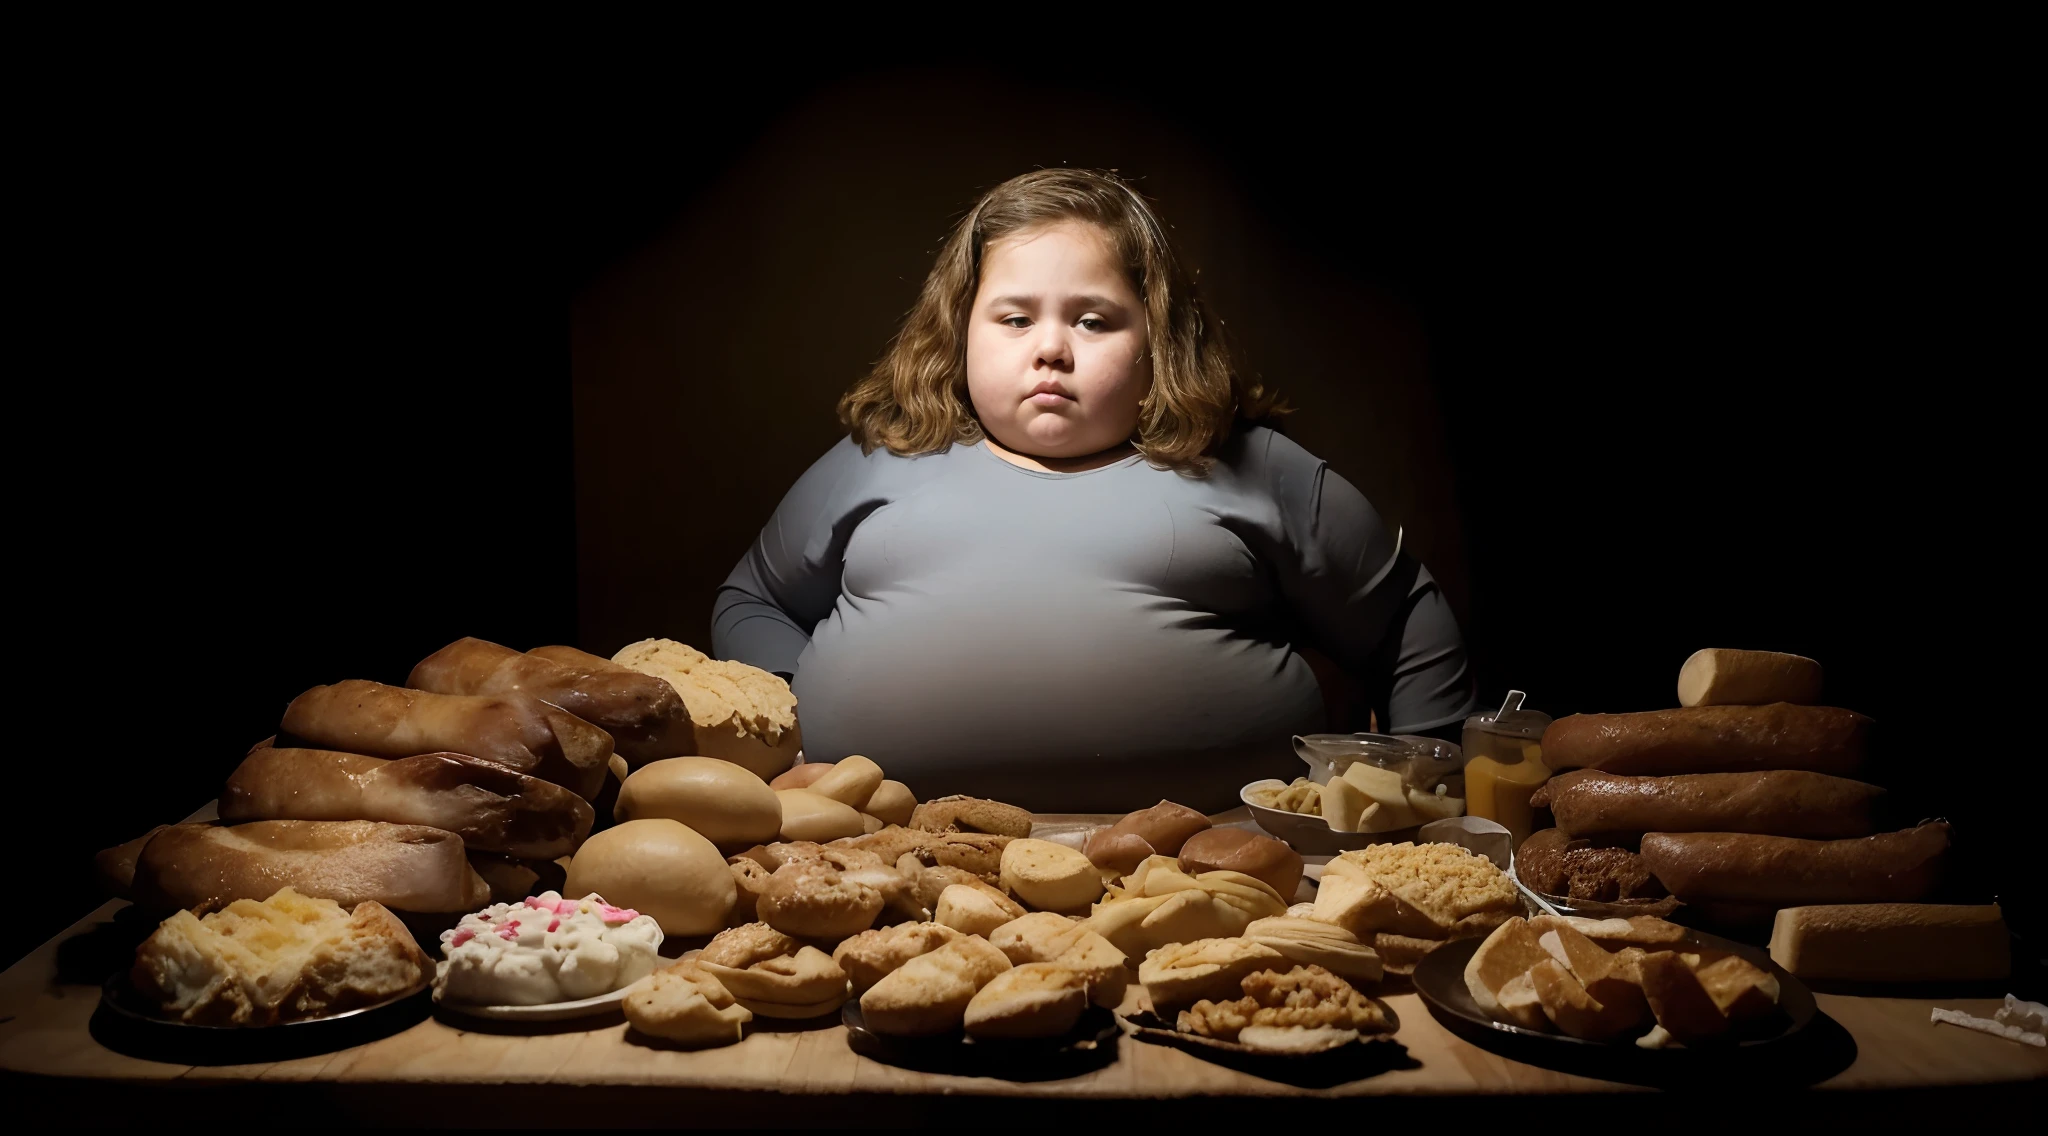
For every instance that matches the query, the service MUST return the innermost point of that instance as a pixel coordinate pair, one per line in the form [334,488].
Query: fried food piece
[685,1003]
[971,814]
[870,956]
[929,995]
[1037,999]
[1185,973]
[1305,998]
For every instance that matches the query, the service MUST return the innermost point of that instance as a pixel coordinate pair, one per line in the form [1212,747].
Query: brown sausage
[1891,867]
[644,715]
[1592,802]
[1711,739]
[518,731]
[492,808]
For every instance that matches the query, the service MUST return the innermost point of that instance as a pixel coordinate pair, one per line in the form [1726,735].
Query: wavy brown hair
[915,399]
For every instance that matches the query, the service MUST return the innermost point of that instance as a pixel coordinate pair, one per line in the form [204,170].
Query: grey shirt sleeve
[789,580]
[1359,598]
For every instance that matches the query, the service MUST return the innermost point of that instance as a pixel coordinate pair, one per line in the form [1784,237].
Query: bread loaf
[1159,830]
[1711,739]
[492,808]
[1721,677]
[644,716]
[720,800]
[515,730]
[1891,867]
[405,867]
[735,712]
[660,868]
[1893,942]
[1783,802]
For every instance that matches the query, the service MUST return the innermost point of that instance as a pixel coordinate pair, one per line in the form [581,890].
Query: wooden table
[1867,1055]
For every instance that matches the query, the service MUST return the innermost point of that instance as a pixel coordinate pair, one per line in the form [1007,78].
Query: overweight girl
[1059,561]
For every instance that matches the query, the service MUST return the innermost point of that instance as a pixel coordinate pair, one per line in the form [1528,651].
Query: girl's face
[1057,353]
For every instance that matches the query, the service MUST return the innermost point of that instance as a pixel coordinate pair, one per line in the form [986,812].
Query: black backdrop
[1719,364]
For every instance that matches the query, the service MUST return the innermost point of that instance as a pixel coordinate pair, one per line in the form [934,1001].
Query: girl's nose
[1054,351]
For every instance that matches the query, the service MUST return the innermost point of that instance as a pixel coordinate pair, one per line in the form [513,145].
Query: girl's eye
[1016,321]
[1094,323]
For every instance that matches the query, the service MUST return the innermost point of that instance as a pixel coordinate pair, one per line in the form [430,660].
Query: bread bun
[808,816]
[891,803]
[850,781]
[1263,858]
[738,713]
[660,867]
[1050,877]
[723,802]
[800,776]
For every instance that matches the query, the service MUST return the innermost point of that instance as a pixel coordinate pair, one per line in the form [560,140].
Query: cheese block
[1893,942]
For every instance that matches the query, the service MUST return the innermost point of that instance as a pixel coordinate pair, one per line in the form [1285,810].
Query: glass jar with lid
[1504,764]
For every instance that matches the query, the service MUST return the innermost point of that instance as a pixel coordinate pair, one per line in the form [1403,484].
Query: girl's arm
[1364,602]
[789,580]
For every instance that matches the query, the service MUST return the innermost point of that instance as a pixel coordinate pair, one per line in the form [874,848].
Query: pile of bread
[1608,979]
[1741,804]
[466,785]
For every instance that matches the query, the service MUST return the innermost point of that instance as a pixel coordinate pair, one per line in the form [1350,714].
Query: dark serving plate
[1090,1045]
[126,1022]
[1440,982]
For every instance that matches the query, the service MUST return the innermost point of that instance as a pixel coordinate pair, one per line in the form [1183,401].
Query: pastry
[974,908]
[1309,942]
[1160,904]
[644,717]
[975,852]
[1424,891]
[545,949]
[1044,936]
[1158,831]
[810,816]
[1048,876]
[1037,999]
[405,867]
[1302,1010]
[891,803]
[872,955]
[816,900]
[289,956]
[932,882]
[971,814]
[929,995]
[850,781]
[685,1003]
[772,974]
[1185,973]
[749,880]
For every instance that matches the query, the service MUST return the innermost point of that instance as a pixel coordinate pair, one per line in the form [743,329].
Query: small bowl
[1312,835]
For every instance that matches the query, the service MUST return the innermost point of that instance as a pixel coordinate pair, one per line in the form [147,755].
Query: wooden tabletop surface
[446,1069]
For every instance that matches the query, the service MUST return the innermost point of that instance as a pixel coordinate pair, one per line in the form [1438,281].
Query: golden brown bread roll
[1159,830]
[719,800]
[661,868]
[1238,850]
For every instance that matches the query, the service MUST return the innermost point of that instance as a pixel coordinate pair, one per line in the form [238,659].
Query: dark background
[1643,363]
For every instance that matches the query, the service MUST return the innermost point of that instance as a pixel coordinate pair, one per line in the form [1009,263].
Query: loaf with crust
[405,867]
[644,715]
[1778,802]
[1711,739]
[491,807]
[515,730]
[1891,867]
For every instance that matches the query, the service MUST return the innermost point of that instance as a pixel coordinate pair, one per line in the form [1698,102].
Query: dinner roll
[1263,858]
[800,776]
[723,802]
[850,781]
[1048,876]
[891,803]
[658,867]
[808,816]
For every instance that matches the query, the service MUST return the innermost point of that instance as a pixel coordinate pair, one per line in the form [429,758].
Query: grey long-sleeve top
[1085,642]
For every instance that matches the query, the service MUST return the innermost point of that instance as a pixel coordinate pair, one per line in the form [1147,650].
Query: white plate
[548,1012]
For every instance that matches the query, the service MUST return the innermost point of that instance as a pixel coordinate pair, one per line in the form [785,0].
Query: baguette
[1721,677]
[405,867]
[1893,942]
[1785,802]
[1891,867]
[512,729]
[492,808]
[644,715]
[1711,739]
